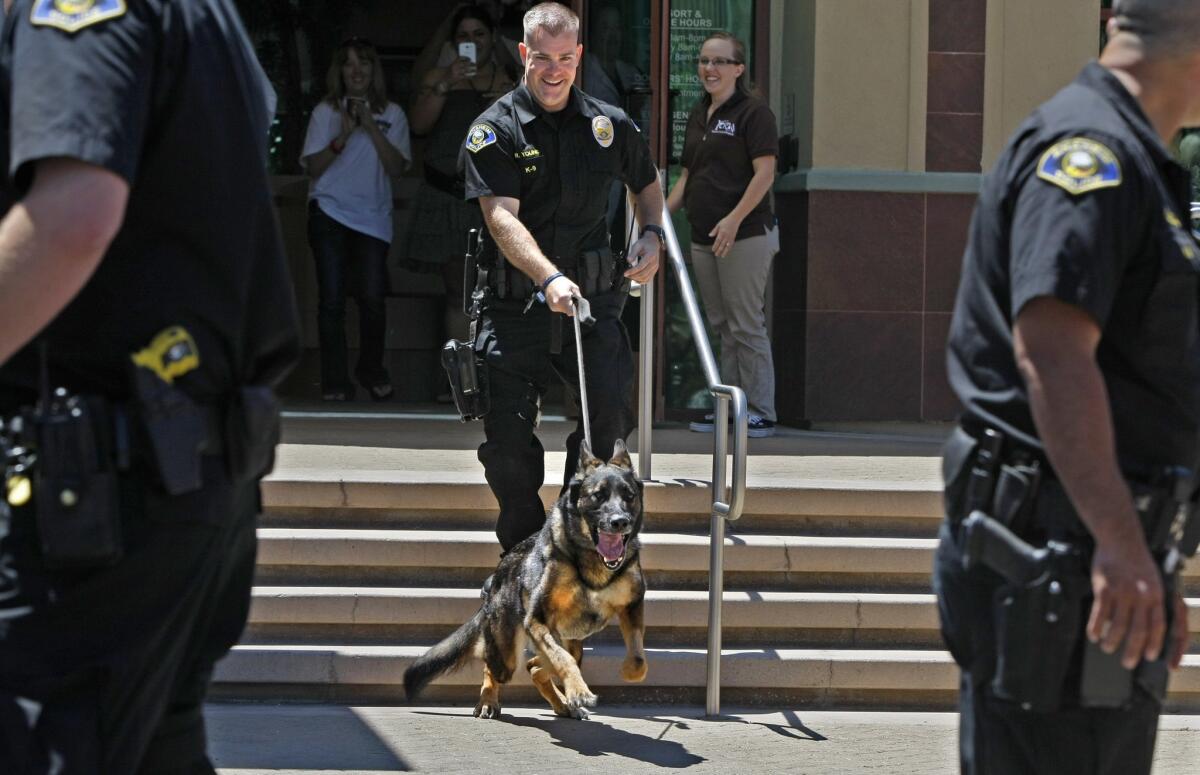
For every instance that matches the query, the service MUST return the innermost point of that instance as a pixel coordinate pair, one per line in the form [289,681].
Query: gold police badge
[602,130]
[480,136]
[74,15]
[1079,165]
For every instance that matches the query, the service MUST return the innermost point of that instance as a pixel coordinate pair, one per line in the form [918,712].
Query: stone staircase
[827,602]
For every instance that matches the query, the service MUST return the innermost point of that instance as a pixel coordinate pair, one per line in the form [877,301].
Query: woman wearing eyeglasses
[448,101]
[728,167]
[356,143]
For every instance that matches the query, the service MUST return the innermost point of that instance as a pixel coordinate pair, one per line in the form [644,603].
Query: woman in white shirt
[356,142]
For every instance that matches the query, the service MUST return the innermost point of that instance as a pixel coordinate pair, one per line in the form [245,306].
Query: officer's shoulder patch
[602,130]
[74,15]
[480,136]
[1079,165]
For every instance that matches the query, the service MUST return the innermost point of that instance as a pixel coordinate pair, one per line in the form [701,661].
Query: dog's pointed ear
[620,456]
[587,461]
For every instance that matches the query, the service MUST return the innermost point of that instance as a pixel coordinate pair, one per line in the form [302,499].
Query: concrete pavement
[302,739]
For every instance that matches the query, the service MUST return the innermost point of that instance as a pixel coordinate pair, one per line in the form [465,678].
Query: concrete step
[676,618]
[665,551]
[664,608]
[445,488]
[301,552]
[463,558]
[878,525]
[838,676]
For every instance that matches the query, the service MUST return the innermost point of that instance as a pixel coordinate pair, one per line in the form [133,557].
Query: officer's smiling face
[550,65]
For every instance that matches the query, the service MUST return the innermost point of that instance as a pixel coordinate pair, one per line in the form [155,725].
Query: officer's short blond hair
[551,18]
[1165,28]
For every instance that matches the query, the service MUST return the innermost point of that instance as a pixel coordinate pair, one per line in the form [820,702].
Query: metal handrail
[727,500]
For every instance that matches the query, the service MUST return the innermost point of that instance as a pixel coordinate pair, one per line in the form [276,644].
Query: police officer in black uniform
[541,161]
[145,314]
[1075,351]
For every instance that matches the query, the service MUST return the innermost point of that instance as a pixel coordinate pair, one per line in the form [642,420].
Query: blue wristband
[550,279]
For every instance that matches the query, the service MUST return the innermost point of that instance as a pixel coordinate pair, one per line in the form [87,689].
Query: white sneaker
[702,426]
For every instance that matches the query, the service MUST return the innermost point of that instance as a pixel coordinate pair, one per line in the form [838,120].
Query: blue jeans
[348,261]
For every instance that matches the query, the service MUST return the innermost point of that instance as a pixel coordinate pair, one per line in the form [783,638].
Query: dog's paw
[487,710]
[633,669]
[578,702]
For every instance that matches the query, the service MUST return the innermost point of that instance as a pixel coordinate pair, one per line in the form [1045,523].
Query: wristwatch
[659,232]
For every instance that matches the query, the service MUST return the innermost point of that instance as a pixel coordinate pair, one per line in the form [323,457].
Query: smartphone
[467,50]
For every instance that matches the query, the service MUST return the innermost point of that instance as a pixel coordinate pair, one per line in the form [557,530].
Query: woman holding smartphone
[728,167]
[356,143]
[447,102]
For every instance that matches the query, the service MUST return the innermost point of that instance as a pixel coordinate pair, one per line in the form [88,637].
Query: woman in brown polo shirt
[728,168]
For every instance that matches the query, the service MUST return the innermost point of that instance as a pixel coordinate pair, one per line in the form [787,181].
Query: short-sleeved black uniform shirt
[559,165]
[719,154]
[168,96]
[1086,205]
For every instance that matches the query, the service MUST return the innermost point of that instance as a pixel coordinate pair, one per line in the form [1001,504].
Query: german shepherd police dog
[556,588]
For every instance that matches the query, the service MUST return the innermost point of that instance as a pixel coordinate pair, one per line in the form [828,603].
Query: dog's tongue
[610,545]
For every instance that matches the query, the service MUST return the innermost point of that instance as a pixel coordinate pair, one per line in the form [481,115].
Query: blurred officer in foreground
[1074,349]
[145,316]
[541,161]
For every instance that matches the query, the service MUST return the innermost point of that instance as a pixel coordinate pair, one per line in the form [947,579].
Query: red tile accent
[864,366]
[958,25]
[954,142]
[947,217]
[955,83]
[866,251]
[938,402]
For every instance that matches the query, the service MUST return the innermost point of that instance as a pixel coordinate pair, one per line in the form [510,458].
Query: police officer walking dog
[1075,350]
[145,315]
[540,162]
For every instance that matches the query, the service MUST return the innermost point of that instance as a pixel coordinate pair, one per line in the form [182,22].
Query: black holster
[468,379]
[1038,628]
[466,368]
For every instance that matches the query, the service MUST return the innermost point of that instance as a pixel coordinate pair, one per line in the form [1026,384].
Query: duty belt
[1016,485]
[594,271]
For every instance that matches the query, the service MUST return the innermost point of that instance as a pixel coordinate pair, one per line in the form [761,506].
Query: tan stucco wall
[868,83]
[1034,48]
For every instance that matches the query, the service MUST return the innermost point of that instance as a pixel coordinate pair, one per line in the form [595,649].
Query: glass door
[685,390]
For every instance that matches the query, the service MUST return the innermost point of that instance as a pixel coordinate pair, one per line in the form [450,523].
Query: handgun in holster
[1039,620]
[1038,613]
[465,367]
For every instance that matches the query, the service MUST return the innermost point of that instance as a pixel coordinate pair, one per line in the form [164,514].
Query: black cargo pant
[105,671]
[997,737]
[520,365]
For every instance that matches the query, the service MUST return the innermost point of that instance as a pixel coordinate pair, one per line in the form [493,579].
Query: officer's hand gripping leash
[583,316]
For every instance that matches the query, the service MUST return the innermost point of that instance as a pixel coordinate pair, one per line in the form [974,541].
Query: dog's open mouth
[611,547]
